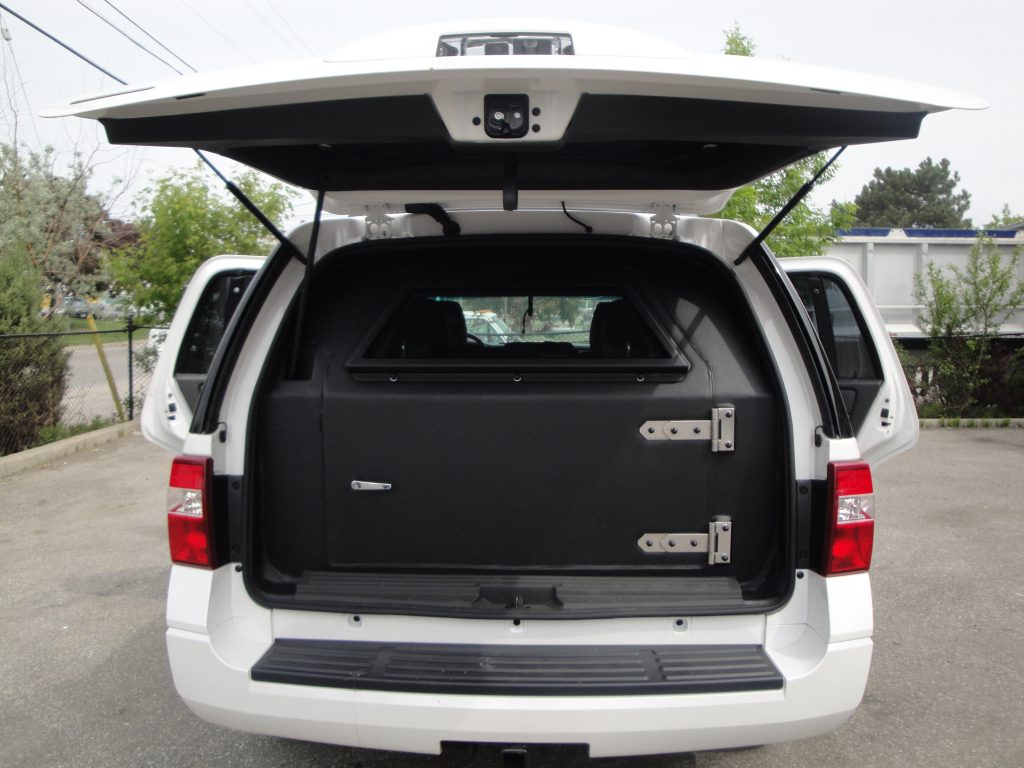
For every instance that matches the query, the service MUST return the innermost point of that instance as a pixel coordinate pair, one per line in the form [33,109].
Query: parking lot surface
[84,679]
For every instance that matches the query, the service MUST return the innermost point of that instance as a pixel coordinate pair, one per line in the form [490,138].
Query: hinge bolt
[693,542]
[650,430]
[725,527]
[696,430]
[728,443]
[725,558]
[674,430]
[728,414]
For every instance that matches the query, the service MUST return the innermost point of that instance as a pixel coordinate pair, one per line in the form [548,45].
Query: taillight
[189,517]
[850,529]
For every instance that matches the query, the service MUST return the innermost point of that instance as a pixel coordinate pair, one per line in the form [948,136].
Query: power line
[231,186]
[224,37]
[21,81]
[124,34]
[290,27]
[273,28]
[147,34]
[62,44]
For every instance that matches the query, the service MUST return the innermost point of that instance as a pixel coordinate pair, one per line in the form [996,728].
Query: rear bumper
[216,635]
[613,725]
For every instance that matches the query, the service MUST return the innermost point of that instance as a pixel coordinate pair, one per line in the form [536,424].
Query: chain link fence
[55,385]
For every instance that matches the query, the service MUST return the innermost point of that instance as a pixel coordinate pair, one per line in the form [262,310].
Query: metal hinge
[378,222]
[663,221]
[720,429]
[717,542]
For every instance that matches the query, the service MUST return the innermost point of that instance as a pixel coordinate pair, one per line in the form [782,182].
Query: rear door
[861,353]
[195,332]
[582,125]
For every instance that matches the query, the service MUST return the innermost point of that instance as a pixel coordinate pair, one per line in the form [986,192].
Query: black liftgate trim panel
[515,670]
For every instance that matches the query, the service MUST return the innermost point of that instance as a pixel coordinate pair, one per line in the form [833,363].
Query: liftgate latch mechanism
[720,429]
[717,542]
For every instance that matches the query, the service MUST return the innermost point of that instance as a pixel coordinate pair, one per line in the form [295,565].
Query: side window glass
[839,326]
[852,358]
[806,293]
[211,316]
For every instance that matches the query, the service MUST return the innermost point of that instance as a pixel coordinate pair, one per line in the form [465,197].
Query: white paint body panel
[606,62]
[165,414]
[820,641]
[879,439]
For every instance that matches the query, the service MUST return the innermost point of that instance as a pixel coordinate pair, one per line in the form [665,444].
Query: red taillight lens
[189,521]
[850,531]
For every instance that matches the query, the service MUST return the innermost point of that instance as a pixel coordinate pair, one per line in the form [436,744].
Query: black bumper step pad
[519,670]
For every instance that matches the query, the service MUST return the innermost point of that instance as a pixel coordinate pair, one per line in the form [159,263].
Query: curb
[45,454]
[967,422]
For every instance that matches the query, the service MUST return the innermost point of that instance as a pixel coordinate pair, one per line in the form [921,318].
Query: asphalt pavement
[84,678]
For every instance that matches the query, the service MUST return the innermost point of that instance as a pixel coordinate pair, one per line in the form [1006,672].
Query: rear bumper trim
[518,670]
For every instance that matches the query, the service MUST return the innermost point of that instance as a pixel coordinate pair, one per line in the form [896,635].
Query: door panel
[862,356]
[188,349]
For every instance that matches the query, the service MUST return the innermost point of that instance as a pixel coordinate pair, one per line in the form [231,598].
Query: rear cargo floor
[518,596]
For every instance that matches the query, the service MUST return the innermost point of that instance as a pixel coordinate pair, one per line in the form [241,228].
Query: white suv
[648,534]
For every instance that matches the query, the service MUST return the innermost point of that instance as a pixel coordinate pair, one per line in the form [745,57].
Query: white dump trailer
[889,259]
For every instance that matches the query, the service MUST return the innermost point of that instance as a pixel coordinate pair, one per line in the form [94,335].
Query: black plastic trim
[519,670]
[522,594]
[820,510]
[611,142]
[836,422]
[205,417]
[803,523]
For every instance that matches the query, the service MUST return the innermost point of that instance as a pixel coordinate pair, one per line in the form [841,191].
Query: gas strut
[794,201]
[251,207]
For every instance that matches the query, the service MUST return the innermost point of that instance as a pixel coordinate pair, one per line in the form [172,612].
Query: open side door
[852,332]
[192,339]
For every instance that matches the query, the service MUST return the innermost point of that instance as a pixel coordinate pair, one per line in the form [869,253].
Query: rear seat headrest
[617,331]
[430,329]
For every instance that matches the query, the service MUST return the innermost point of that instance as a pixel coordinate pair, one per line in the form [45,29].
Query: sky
[970,47]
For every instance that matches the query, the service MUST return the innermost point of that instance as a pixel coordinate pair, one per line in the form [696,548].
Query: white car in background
[488,327]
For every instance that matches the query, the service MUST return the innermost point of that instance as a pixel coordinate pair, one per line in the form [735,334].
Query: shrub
[963,310]
[33,370]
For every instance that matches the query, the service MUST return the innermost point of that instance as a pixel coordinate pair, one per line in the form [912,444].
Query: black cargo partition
[508,475]
[517,458]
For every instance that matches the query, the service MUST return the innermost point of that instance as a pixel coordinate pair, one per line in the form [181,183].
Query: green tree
[963,310]
[184,223]
[738,44]
[32,369]
[924,197]
[52,231]
[53,220]
[808,230]
[1005,218]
